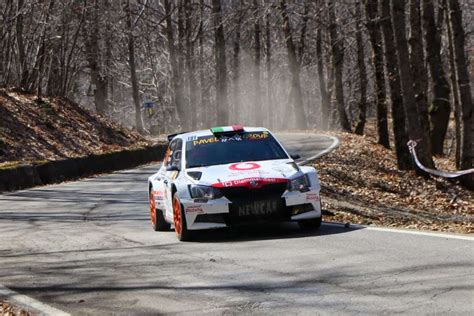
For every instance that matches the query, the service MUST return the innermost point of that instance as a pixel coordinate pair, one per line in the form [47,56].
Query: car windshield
[223,149]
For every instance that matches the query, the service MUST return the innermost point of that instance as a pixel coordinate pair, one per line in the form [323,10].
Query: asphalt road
[87,247]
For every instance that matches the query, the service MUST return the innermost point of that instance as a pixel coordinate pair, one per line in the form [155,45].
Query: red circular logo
[244,166]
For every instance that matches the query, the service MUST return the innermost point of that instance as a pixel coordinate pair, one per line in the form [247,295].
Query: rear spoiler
[171,136]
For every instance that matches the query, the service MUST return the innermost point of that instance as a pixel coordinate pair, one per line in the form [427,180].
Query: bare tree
[221,65]
[375,36]
[91,35]
[132,65]
[190,65]
[176,77]
[297,97]
[454,85]
[465,97]
[257,61]
[268,66]
[440,108]
[337,50]
[415,131]
[419,73]
[236,63]
[359,129]
[393,75]
[325,102]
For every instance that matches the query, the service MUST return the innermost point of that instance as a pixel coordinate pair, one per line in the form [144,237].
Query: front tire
[157,219]
[179,218]
[310,224]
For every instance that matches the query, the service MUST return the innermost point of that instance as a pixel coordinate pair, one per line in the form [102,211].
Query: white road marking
[334,145]
[28,302]
[405,231]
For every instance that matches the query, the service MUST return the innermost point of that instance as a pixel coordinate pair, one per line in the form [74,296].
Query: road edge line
[335,143]
[29,302]
[403,231]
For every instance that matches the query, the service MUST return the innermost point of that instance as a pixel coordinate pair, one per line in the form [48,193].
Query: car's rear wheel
[310,224]
[157,219]
[180,226]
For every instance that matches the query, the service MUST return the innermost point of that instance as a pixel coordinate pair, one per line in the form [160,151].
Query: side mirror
[172,168]
[177,155]
[295,156]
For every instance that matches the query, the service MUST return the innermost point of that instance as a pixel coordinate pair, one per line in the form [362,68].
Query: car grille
[255,205]
[244,194]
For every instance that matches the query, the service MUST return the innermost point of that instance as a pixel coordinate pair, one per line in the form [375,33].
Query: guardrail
[30,175]
[438,173]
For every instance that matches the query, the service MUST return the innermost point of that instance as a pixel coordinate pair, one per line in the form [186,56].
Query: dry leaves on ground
[56,128]
[361,184]
[7,309]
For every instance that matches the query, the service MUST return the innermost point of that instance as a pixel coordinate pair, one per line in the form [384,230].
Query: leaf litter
[361,184]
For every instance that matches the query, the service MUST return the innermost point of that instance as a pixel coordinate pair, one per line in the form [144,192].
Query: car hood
[249,173]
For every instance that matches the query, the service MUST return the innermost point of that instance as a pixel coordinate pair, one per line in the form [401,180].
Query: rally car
[228,176]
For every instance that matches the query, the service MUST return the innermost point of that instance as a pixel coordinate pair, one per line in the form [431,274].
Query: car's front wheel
[310,224]
[156,216]
[180,226]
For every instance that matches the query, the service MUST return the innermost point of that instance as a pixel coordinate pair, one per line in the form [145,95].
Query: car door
[170,171]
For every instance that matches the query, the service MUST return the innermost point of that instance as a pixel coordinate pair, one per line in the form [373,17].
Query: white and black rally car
[229,176]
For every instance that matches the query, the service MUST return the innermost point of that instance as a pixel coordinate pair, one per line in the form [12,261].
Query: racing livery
[228,176]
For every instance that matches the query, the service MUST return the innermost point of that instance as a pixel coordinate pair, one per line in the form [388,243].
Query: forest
[164,66]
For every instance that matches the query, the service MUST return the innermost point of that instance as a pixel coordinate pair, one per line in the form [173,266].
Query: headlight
[204,192]
[299,184]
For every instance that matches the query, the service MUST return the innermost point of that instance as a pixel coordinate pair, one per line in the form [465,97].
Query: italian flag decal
[224,129]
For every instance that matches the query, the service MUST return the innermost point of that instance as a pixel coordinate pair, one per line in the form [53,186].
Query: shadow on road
[266,232]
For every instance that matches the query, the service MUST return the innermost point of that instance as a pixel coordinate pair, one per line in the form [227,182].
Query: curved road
[87,247]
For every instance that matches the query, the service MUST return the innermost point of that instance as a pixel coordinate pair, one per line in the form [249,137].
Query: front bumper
[229,211]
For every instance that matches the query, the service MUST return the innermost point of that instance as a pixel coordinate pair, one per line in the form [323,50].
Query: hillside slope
[55,129]
[362,184]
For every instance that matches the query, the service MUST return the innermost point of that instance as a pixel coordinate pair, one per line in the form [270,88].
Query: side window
[173,154]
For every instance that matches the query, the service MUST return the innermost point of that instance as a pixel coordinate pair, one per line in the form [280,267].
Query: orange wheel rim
[152,208]
[177,216]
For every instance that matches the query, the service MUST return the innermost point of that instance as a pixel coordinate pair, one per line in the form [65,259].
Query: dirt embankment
[55,129]
[361,184]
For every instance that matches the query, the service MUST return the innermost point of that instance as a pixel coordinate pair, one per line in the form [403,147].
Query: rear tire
[310,224]
[179,218]
[158,221]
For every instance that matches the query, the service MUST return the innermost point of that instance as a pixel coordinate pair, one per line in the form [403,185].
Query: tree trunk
[91,34]
[190,65]
[404,161]
[324,96]
[204,100]
[359,129]
[373,26]
[236,109]
[465,97]
[268,65]
[454,86]
[295,92]
[325,102]
[256,69]
[221,66]
[21,45]
[180,54]
[419,73]
[337,48]
[42,50]
[414,128]
[440,108]
[304,29]
[176,80]
[133,71]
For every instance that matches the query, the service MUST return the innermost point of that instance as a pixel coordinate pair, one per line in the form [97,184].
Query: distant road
[87,247]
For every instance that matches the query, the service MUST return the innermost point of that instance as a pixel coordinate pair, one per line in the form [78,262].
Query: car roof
[207,132]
